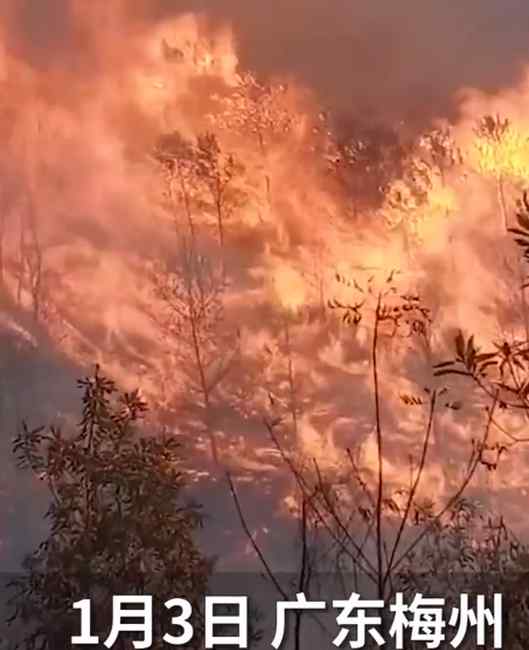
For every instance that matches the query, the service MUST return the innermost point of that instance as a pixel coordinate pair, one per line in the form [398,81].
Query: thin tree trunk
[380,455]
[21,259]
[291,381]
[268,182]
[220,224]
[2,244]
[204,387]
[185,198]
[523,299]
[502,203]
[302,571]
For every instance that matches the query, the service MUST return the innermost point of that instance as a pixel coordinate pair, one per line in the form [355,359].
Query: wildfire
[88,211]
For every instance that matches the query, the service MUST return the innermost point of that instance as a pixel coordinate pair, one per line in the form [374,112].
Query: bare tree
[373,525]
[177,157]
[34,263]
[280,378]
[191,289]
[303,577]
[259,111]
[29,264]
[199,177]
[218,172]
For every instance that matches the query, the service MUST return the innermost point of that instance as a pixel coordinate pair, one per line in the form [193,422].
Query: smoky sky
[41,33]
[402,60]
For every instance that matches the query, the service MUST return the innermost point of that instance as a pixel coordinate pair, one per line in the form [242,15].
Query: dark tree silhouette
[119,524]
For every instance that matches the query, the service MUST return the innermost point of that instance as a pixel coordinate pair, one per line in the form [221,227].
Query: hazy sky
[406,59]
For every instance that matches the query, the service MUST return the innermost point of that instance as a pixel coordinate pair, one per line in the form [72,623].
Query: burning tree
[503,153]
[30,263]
[177,156]
[119,524]
[218,172]
[191,290]
[199,177]
[259,111]
[420,194]
[190,284]
[440,151]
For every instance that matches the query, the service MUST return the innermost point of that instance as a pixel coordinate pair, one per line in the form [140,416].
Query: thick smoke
[401,61]
[398,60]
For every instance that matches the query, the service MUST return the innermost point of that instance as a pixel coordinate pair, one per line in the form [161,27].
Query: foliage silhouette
[118,521]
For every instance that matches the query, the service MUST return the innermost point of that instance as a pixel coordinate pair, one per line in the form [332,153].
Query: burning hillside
[219,240]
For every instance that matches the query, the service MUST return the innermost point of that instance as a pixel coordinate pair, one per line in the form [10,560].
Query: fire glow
[94,226]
